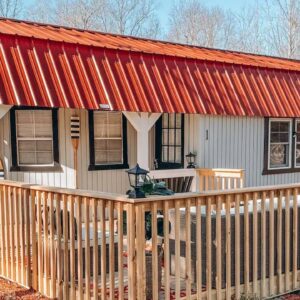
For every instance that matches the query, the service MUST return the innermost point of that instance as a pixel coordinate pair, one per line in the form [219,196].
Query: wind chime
[75,135]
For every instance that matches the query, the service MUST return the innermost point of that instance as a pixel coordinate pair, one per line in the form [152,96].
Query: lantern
[137,177]
[190,158]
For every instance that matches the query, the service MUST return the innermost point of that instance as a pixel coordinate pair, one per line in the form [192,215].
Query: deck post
[142,122]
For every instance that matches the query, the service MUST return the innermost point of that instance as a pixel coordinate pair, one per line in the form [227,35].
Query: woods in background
[266,27]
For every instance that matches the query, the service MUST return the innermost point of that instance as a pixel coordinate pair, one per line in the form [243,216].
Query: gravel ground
[12,291]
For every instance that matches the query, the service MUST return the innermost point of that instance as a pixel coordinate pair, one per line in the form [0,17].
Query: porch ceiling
[57,67]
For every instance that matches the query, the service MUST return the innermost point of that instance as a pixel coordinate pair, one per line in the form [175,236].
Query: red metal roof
[43,65]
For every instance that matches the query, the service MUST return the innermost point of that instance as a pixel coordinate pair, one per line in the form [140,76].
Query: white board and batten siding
[235,142]
[106,180]
[219,141]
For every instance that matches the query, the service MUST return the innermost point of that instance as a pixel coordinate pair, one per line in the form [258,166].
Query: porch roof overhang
[43,65]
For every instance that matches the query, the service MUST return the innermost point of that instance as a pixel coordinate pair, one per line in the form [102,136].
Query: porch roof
[46,65]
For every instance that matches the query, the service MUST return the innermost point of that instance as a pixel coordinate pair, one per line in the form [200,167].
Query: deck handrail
[213,241]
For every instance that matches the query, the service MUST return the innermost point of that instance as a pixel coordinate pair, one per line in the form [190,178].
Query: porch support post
[4,109]
[142,122]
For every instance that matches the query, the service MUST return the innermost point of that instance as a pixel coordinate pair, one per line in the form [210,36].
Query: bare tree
[192,22]
[250,29]
[11,8]
[283,27]
[132,17]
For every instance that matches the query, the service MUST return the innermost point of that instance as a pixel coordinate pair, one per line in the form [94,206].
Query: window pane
[100,157]
[115,130]
[171,136]
[25,130]
[178,137]
[115,156]
[42,116]
[100,145]
[279,155]
[165,154]
[165,137]
[26,145]
[43,131]
[178,154]
[27,158]
[165,121]
[44,158]
[279,137]
[178,120]
[115,145]
[171,120]
[298,154]
[44,146]
[24,116]
[172,154]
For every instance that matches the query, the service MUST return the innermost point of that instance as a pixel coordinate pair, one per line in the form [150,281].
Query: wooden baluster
[140,252]
[237,246]
[154,251]
[295,237]
[279,242]
[95,249]
[17,233]
[287,240]
[65,247]
[177,249]
[27,236]
[87,249]
[46,243]
[208,248]
[166,250]
[228,247]
[255,245]
[59,248]
[22,234]
[79,247]
[120,251]
[111,250]
[3,228]
[271,243]
[263,245]
[7,235]
[199,249]
[71,201]
[33,240]
[52,247]
[103,249]
[188,248]
[131,234]
[219,246]
[247,243]
[40,243]
[11,233]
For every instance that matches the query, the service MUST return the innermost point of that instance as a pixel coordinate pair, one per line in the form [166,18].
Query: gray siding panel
[237,142]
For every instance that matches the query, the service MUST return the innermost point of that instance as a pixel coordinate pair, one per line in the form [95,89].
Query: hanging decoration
[75,135]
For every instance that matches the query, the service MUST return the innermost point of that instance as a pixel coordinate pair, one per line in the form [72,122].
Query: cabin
[78,108]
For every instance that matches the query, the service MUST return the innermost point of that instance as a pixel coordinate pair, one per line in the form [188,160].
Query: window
[282,146]
[34,136]
[108,143]
[169,141]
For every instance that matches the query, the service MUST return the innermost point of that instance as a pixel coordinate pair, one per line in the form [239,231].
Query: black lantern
[190,158]
[137,177]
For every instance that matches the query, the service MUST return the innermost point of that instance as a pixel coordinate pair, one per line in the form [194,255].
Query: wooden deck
[73,244]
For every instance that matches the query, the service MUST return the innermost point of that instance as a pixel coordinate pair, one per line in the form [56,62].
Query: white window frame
[110,138]
[33,139]
[290,121]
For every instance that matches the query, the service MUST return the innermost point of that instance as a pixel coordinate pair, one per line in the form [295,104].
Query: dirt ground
[12,291]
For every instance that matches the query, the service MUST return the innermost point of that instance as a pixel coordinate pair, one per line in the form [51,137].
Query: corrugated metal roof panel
[39,72]
[133,44]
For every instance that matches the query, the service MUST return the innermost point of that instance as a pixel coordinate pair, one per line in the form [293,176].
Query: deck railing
[220,179]
[74,244]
